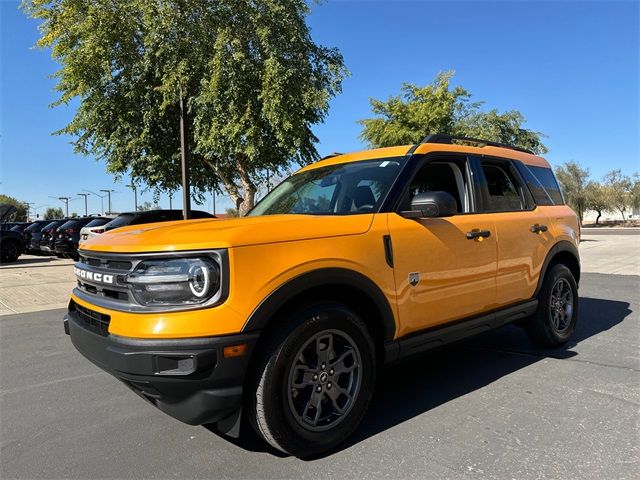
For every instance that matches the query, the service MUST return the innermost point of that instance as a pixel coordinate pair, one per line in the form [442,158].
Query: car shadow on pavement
[419,384]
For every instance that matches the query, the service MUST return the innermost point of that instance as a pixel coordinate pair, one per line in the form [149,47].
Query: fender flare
[318,278]
[561,246]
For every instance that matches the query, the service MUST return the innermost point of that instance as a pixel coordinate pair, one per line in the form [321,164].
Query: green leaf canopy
[254,81]
[439,108]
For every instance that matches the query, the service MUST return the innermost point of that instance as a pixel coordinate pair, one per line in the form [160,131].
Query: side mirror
[431,204]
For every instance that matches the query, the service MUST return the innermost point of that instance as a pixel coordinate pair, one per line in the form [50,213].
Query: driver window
[444,177]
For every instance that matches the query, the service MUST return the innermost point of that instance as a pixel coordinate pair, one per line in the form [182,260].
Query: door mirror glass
[431,204]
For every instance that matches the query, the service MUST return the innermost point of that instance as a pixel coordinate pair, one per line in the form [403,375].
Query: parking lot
[492,407]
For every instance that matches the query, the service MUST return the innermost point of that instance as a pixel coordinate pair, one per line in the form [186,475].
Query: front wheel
[555,321]
[314,381]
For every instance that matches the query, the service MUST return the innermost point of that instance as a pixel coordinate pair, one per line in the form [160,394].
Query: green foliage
[145,207]
[231,212]
[53,213]
[620,188]
[21,213]
[573,180]
[438,108]
[254,82]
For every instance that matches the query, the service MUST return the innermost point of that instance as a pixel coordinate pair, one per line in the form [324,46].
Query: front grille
[109,264]
[96,321]
[117,267]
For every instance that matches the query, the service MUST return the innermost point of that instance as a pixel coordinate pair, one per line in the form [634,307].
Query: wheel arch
[563,252]
[342,285]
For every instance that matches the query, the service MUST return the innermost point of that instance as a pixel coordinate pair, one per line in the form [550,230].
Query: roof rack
[331,155]
[443,138]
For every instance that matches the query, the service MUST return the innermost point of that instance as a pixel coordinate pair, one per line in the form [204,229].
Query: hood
[6,211]
[227,233]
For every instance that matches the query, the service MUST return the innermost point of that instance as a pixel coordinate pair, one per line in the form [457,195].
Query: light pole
[101,199]
[65,200]
[28,204]
[184,155]
[170,200]
[85,195]
[135,196]
[108,192]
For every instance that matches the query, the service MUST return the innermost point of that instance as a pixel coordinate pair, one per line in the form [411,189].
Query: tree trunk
[248,188]
[229,185]
[598,217]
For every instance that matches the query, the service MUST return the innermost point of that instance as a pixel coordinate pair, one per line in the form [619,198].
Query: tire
[555,321]
[10,251]
[285,407]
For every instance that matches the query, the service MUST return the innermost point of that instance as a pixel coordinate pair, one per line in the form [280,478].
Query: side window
[504,192]
[443,176]
[540,195]
[548,180]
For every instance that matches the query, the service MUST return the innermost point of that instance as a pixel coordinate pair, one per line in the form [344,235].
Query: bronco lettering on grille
[93,276]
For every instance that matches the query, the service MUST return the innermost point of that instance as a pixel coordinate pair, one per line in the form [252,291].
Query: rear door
[521,229]
[441,274]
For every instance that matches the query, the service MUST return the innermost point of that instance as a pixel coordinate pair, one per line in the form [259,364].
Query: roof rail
[331,155]
[443,138]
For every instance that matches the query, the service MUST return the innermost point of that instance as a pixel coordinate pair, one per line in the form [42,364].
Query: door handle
[476,233]
[538,228]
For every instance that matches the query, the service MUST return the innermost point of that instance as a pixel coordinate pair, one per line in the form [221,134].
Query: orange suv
[283,318]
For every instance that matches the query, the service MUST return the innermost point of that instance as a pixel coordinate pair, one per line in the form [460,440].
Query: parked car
[10,225]
[94,227]
[283,318]
[47,237]
[67,236]
[27,235]
[151,216]
[20,227]
[11,243]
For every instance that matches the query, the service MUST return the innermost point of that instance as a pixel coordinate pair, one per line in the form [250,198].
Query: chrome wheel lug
[318,389]
[315,376]
[329,385]
[323,366]
[331,372]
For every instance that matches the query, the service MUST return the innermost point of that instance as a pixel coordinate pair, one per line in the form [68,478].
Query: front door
[441,274]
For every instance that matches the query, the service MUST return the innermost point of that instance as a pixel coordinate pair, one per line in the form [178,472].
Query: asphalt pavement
[492,407]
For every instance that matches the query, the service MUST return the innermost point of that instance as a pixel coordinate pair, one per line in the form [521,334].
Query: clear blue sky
[572,68]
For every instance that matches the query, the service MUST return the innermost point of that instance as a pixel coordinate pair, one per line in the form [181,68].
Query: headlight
[176,281]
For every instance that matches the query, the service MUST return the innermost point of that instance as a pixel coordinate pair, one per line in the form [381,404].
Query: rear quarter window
[547,179]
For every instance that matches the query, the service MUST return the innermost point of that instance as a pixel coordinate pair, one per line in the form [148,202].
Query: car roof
[423,148]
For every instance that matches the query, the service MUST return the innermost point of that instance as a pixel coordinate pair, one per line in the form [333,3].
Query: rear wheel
[555,321]
[314,381]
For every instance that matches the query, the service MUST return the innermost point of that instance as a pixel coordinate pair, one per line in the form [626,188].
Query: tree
[53,213]
[598,199]
[438,108]
[231,212]
[21,213]
[145,207]
[620,189]
[573,180]
[252,77]
[635,191]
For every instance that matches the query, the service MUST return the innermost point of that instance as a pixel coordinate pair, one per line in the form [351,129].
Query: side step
[439,336]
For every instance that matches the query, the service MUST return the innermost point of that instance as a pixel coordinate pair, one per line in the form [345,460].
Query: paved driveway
[493,407]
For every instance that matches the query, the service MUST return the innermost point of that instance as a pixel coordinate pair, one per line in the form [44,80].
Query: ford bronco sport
[284,317]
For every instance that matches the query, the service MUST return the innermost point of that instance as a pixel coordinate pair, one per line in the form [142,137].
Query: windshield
[96,222]
[342,189]
[121,220]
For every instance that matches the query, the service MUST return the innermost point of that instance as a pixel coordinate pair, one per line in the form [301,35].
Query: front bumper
[189,379]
